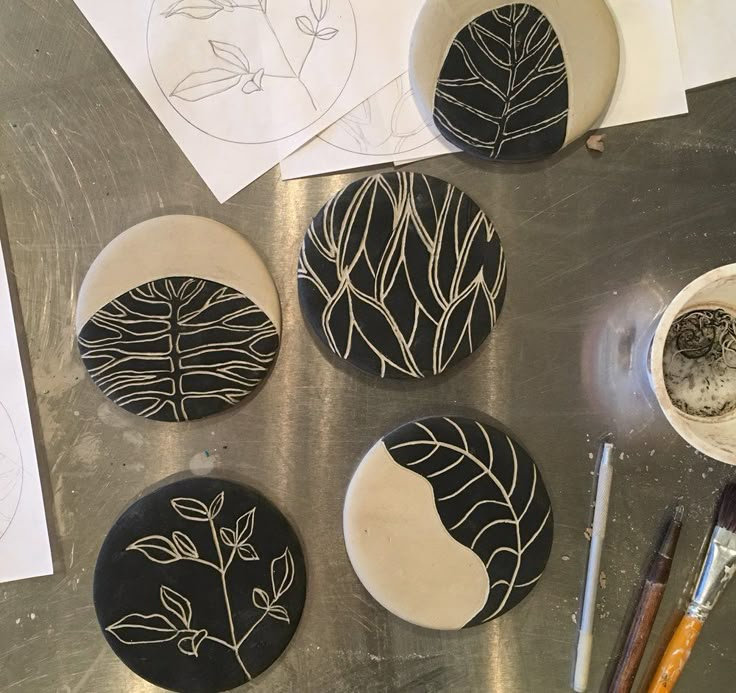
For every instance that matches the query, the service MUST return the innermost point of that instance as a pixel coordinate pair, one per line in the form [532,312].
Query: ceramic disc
[514,81]
[178,318]
[200,585]
[402,275]
[448,523]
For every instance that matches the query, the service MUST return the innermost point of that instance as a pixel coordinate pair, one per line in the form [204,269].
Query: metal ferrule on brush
[718,568]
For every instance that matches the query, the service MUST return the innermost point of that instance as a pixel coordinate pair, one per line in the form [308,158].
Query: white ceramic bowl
[715,437]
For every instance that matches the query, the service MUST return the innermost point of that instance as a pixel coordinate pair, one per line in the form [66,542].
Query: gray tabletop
[596,246]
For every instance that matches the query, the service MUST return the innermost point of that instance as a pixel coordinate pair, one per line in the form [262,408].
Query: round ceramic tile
[178,318]
[514,82]
[200,585]
[447,523]
[402,275]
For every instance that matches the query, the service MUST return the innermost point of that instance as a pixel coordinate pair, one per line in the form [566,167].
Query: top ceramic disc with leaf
[200,585]
[514,81]
[178,318]
[402,275]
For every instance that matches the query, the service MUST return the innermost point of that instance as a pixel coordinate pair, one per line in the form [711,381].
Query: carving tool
[587,614]
[718,569]
[647,607]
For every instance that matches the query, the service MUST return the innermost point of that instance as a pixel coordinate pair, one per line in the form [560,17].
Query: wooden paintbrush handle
[636,642]
[676,655]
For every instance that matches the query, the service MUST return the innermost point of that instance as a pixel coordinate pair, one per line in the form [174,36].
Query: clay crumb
[588,533]
[602,580]
[596,143]
[574,617]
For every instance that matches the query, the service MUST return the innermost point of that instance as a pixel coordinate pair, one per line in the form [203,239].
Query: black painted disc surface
[448,523]
[183,561]
[502,91]
[402,275]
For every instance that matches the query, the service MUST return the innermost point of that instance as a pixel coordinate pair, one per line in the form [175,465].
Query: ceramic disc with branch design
[402,275]
[448,523]
[200,585]
[251,71]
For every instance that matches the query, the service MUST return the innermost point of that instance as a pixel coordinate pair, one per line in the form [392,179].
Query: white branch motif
[145,629]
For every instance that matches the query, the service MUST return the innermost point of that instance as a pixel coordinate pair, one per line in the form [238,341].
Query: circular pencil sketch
[11,471]
[251,71]
[366,130]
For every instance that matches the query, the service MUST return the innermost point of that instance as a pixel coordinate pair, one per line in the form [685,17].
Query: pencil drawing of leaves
[306,25]
[180,606]
[137,629]
[230,54]
[156,548]
[254,83]
[326,34]
[402,274]
[502,90]
[488,495]
[319,8]
[197,9]
[201,85]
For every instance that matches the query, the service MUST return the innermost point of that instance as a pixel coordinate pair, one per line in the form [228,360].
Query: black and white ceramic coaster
[402,275]
[447,523]
[514,81]
[178,318]
[200,585]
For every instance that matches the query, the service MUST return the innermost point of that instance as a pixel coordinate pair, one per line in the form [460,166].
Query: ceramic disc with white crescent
[178,318]
[402,275]
[200,585]
[448,523]
[514,81]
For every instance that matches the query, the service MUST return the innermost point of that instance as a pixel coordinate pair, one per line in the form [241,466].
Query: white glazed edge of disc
[596,84]
[177,246]
[678,419]
[395,568]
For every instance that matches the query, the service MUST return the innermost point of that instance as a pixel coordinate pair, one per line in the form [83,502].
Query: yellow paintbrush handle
[676,655]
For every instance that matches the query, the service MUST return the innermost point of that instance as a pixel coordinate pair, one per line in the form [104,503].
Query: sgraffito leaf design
[216,505]
[140,629]
[185,545]
[489,496]
[246,552]
[502,91]
[156,548]
[279,613]
[227,536]
[402,275]
[201,85]
[261,600]
[282,573]
[306,25]
[231,54]
[245,525]
[180,606]
[191,509]
[190,643]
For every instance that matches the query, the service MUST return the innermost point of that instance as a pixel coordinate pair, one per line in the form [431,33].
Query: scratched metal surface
[596,247]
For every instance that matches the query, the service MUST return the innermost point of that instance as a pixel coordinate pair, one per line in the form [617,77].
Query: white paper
[24,540]
[240,84]
[386,128]
[706,32]
[650,83]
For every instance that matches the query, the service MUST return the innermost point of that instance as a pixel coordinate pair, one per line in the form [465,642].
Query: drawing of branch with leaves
[230,544]
[203,84]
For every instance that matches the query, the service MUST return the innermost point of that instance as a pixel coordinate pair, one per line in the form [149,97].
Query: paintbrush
[647,607]
[718,568]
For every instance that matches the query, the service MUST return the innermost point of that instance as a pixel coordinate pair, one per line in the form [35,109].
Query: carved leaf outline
[191,509]
[502,90]
[141,629]
[178,605]
[489,496]
[282,573]
[156,548]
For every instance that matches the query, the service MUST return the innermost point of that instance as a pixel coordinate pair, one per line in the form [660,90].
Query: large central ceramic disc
[402,275]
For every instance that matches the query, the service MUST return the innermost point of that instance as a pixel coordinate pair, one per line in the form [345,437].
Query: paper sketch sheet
[24,540]
[650,83]
[385,128]
[706,32]
[240,84]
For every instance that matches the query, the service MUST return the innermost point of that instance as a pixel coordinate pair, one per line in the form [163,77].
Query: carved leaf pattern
[139,629]
[401,274]
[502,91]
[489,496]
[180,606]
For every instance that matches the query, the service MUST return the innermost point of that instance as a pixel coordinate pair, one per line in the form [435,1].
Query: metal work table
[596,246]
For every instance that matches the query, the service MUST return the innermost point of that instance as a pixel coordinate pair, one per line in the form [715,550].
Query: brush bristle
[727,509]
